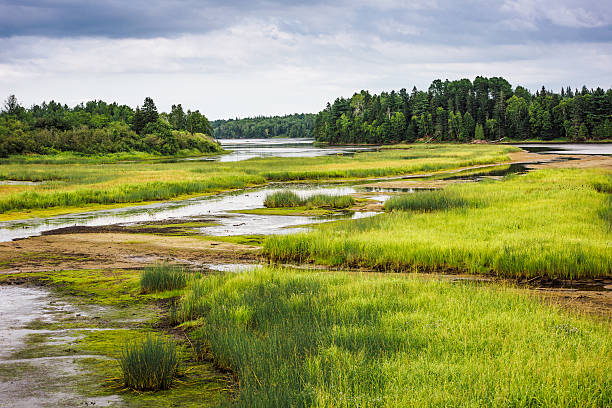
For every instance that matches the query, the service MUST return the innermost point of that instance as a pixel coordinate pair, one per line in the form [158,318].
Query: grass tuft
[150,365]
[159,278]
[283,199]
[426,201]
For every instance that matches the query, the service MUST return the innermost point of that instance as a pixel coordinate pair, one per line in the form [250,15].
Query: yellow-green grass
[163,277]
[306,339]
[288,198]
[426,201]
[81,185]
[547,223]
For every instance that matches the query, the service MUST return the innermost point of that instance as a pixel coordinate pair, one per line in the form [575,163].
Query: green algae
[109,311]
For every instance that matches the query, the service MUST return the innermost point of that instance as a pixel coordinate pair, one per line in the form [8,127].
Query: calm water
[215,208]
[577,148]
[243,149]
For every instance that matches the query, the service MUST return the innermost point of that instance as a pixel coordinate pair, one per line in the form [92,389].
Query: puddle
[215,207]
[37,381]
[251,224]
[19,183]
[21,306]
[233,267]
[395,189]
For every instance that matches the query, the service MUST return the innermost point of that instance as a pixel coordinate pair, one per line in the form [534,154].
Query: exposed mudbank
[28,379]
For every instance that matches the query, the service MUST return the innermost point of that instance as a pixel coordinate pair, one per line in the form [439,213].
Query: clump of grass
[150,365]
[325,200]
[426,201]
[282,199]
[158,278]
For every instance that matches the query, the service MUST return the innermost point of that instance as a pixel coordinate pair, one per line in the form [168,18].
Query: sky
[250,57]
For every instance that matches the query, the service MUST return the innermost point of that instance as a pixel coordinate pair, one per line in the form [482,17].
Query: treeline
[461,111]
[296,125]
[97,127]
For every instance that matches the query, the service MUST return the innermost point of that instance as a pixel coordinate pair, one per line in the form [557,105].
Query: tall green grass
[291,199]
[426,201]
[305,339]
[149,365]
[283,199]
[162,277]
[127,193]
[605,212]
[77,182]
[545,223]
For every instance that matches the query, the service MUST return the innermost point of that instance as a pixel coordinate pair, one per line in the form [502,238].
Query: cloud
[568,13]
[244,58]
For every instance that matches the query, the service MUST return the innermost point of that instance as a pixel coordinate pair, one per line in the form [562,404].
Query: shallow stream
[215,208]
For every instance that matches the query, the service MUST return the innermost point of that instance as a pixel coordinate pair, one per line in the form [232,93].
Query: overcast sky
[250,57]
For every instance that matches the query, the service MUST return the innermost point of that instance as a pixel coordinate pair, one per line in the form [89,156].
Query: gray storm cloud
[248,57]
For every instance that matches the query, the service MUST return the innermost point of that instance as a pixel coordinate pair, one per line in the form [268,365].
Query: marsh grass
[426,201]
[162,277]
[283,199]
[549,223]
[78,182]
[307,339]
[603,184]
[150,365]
[605,212]
[126,193]
[331,201]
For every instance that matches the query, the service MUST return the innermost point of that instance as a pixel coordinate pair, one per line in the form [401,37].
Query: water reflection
[216,208]
[243,149]
[575,148]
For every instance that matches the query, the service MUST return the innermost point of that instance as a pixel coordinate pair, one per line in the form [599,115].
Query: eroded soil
[115,250]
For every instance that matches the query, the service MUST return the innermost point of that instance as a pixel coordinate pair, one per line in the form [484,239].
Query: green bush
[150,365]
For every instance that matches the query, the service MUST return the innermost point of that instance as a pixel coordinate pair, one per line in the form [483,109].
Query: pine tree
[583,132]
[149,110]
[479,133]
